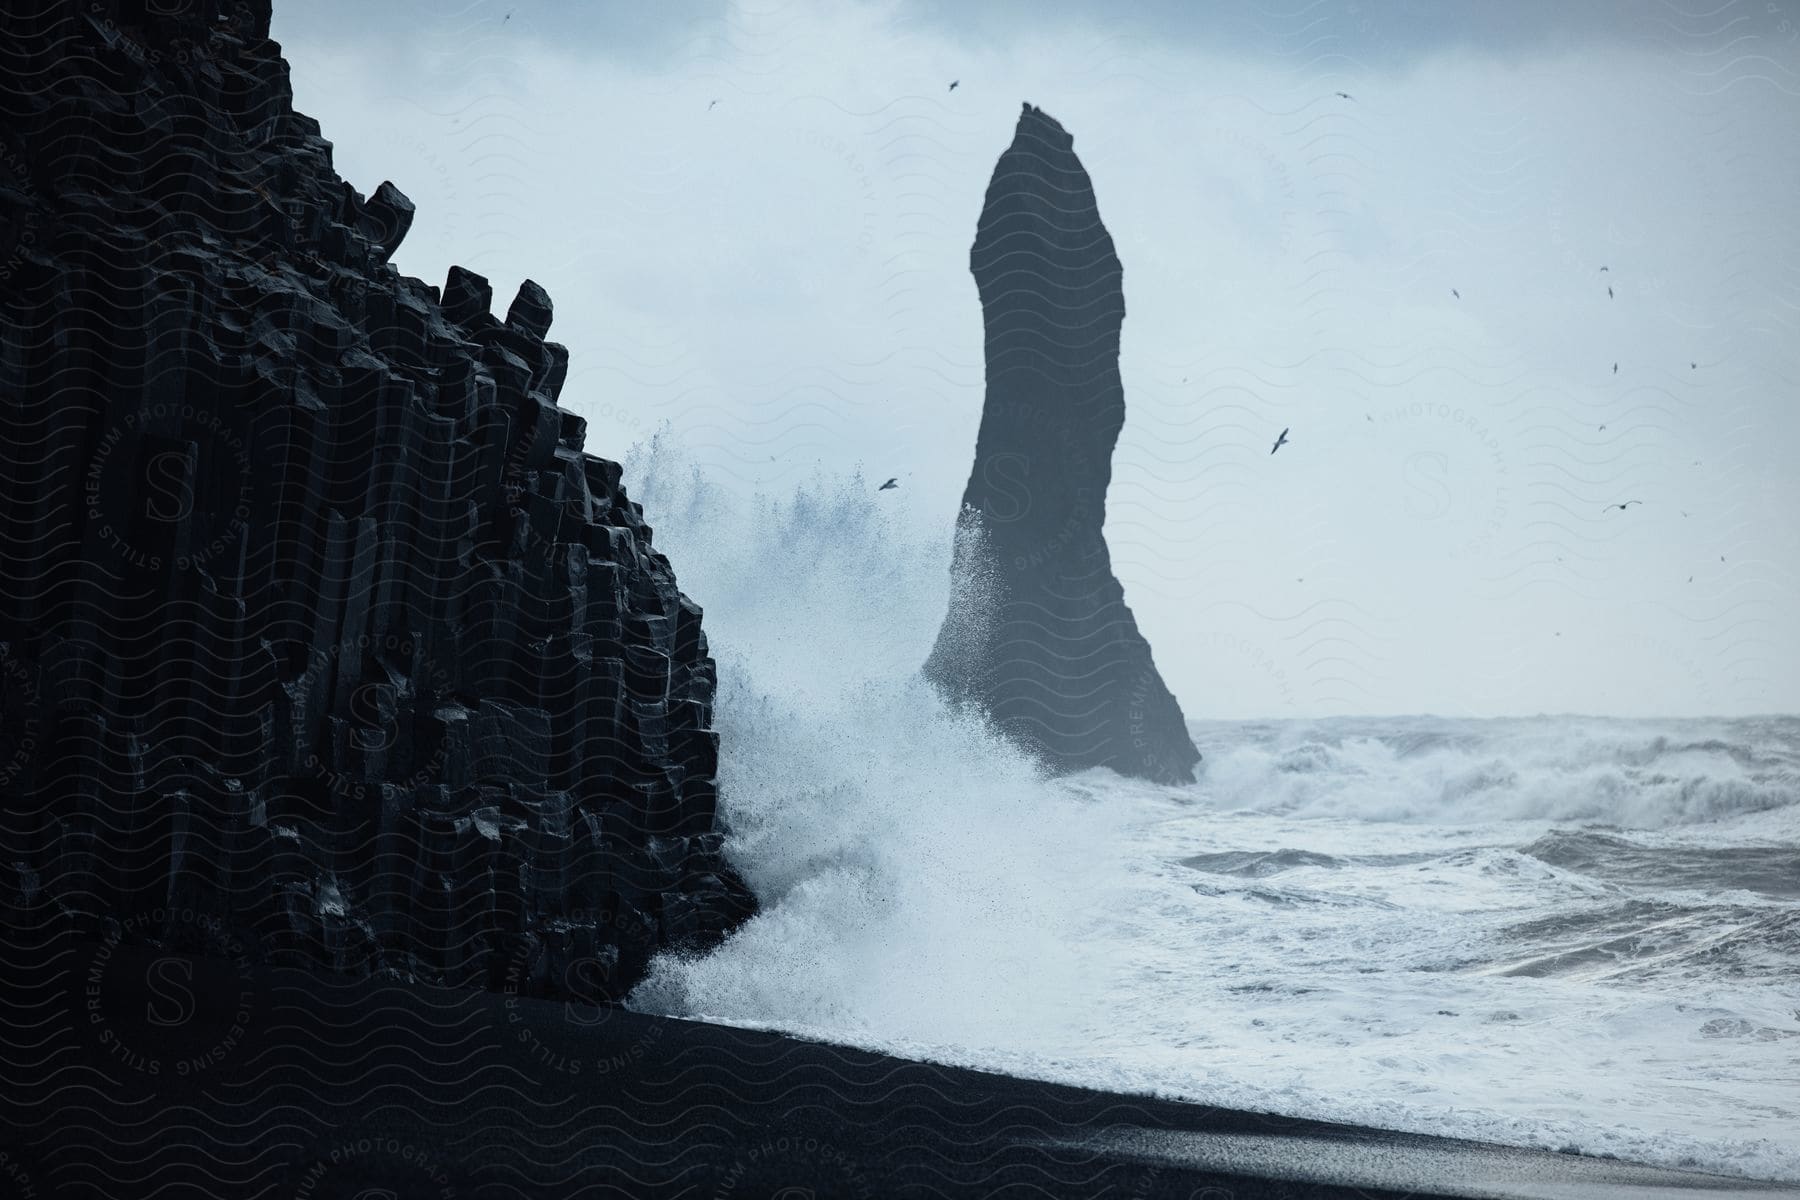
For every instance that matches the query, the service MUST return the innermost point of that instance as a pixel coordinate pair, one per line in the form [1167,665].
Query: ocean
[1576,933]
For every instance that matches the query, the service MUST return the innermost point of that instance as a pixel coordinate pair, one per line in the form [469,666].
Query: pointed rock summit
[1038,632]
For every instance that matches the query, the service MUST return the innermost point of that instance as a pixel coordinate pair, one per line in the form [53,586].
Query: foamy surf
[1576,934]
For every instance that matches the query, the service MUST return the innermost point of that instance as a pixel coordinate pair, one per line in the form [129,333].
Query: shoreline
[138,1069]
[1558,1145]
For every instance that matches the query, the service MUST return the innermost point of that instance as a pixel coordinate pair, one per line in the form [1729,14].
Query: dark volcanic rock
[1038,633]
[316,623]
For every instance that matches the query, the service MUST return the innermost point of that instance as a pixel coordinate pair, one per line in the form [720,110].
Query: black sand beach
[135,1073]
[329,638]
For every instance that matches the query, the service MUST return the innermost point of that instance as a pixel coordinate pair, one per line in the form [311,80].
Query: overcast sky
[783,278]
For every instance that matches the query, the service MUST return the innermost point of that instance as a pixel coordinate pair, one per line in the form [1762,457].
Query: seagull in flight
[892,483]
[710,106]
[1345,96]
[1606,268]
[1615,368]
[1620,507]
[1609,294]
[506,18]
[1456,293]
[1279,442]
[953,84]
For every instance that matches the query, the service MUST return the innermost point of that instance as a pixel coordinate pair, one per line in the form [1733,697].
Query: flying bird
[1693,366]
[1279,442]
[1605,268]
[1615,368]
[1620,507]
[506,18]
[1456,293]
[892,483]
[1345,96]
[1609,294]
[1603,429]
[710,106]
[953,84]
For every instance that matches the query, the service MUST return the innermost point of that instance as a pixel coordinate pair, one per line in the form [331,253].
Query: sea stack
[322,640]
[1038,633]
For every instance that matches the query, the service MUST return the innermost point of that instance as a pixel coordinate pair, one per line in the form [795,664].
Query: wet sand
[132,1073]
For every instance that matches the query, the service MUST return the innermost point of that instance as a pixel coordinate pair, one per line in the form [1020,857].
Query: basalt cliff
[321,637]
[1039,635]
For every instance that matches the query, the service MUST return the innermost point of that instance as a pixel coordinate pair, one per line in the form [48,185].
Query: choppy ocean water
[1569,932]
